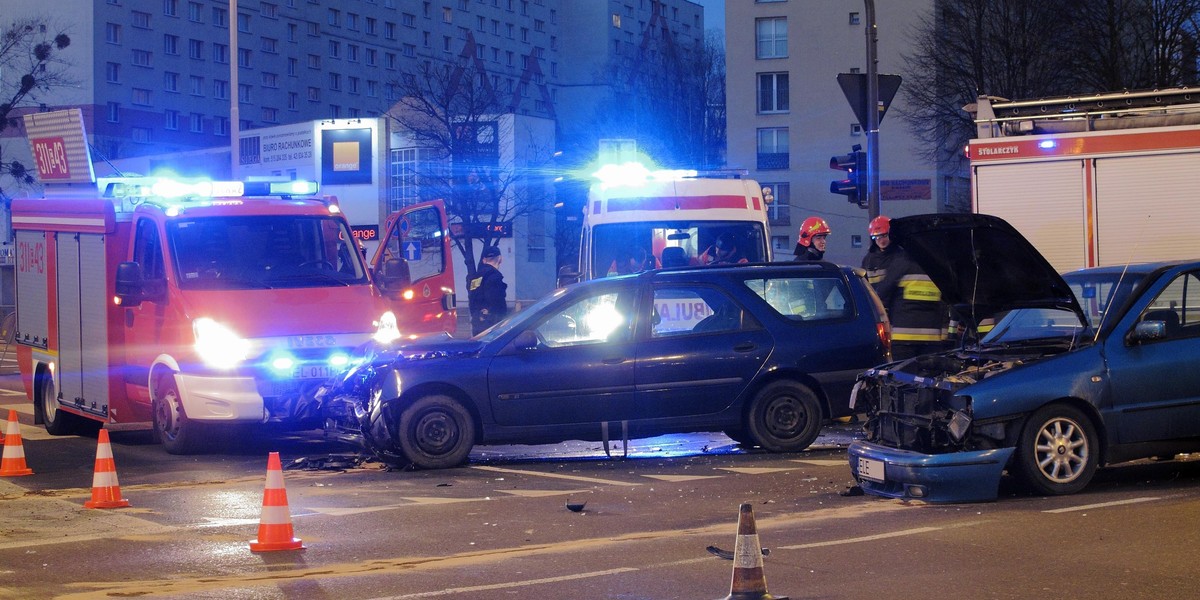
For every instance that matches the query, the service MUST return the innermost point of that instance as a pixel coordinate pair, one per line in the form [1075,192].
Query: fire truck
[1091,181]
[672,218]
[191,305]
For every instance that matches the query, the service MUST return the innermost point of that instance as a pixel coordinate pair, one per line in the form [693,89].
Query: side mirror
[449,301]
[526,340]
[1147,331]
[132,288]
[393,273]
[567,276]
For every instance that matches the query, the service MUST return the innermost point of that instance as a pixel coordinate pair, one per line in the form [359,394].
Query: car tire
[172,428]
[739,436]
[785,416]
[436,432]
[1058,451]
[56,421]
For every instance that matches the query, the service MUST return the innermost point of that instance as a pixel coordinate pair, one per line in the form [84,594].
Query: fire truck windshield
[619,248]
[259,252]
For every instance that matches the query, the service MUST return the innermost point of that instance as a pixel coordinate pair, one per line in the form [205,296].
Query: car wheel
[739,436]
[785,416]
[1058,451]
[60,422]
[436,432]
[177,433]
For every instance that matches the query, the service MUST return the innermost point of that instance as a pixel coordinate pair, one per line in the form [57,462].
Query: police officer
[810,243]
[914,304]
[486,292]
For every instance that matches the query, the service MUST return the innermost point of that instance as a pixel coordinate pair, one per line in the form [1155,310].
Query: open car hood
[982,265]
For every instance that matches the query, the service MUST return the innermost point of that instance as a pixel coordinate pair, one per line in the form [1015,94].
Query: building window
[314,61]
[221,126]
[170,81]
[141,19]
[244,93]
[293,100]
[221,54]
[773,148]
[855,19]
[370,29]
[112,33]
[141,58]
[778,209]
[447,15]
[195,12]
[171,44]
[352,21]
[140,134]
[220,89]
[112,72]
[197,123]
[220,17]
[352,84]
[410,50]
[171,8]
[172,120]
[196,49]
[268,10]
[243,21]
[616,20]
[335,81]
[270,115]
[334,16]
[270,80]
[372,56]
[352,52]
[771,37]
[270,45]
[389,30]
[141,97]
[244,58]
[291,66]
[314,94]
[335,49]
[114,112]
[772,93]
[196,84]
[314,29]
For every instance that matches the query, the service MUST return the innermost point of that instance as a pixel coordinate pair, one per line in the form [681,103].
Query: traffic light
[854,186]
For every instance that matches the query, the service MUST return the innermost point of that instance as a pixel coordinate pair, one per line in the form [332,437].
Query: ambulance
[195,305]
[672,218]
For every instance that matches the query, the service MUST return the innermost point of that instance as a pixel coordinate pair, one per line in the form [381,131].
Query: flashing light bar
[161,187]
[632,174]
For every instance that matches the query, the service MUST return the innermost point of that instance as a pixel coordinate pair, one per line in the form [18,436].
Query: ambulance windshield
[260,252]
[621,248]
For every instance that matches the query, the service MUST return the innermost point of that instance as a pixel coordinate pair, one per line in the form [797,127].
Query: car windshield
[1026,324]
[622,248]
[1097,291]
[261,252]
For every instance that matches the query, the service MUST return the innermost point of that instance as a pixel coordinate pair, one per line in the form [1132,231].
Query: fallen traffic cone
[106,492]
[275,524]
[12,464]
[749,582]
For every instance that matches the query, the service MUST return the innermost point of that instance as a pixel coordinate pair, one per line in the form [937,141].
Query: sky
[714,13]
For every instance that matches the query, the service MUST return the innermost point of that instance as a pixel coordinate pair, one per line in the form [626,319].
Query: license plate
[870,469]
[313,372]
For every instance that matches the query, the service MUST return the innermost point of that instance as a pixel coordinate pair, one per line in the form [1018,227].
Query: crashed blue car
[1081,370]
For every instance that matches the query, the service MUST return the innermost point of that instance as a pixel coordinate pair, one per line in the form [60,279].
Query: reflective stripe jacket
[914,304]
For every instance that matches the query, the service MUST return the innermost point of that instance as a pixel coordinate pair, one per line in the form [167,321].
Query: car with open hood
[1081,370]
[766,353]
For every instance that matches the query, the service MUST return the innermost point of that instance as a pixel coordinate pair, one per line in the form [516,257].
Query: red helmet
[879,225]
[812,226]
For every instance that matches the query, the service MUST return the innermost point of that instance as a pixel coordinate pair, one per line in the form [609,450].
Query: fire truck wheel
[436,432]
[172,428]
[59,422]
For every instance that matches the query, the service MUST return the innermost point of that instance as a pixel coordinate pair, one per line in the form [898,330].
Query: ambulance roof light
[632,174]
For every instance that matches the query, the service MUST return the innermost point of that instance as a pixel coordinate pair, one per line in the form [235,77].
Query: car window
[804,298]
[680,310]
[1177,306]
[593,319]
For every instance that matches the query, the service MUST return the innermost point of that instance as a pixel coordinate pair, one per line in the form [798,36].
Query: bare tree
[30,65]
[1022,49]
[455,116]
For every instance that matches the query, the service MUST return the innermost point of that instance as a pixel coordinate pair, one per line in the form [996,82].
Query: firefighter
[914,304]
[810,243]
[486,292]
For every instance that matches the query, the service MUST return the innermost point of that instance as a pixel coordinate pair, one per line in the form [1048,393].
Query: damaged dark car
[1081,370]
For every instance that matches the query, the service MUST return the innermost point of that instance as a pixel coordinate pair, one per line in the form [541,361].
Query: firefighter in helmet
[810,243]
[914,304]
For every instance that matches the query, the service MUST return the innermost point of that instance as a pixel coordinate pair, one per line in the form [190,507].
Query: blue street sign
[412,251]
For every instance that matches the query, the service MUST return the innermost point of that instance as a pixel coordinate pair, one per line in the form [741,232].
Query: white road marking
[1101,505]
[511,584]
[865,538]
[757,470]
[558,476]
[681,478]
[821,462]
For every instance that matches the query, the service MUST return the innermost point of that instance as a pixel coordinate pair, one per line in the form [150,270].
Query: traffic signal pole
[872,113]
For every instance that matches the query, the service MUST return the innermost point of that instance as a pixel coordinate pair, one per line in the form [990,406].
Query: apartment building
[787,115]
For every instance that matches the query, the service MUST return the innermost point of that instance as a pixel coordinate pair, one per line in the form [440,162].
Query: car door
[699,353]
[581,369]
[423,299]
[1155,383]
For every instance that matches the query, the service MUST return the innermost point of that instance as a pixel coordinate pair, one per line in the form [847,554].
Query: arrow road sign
[412,251]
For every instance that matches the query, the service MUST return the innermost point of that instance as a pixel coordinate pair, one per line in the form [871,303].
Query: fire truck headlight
[217,345]
[386,329]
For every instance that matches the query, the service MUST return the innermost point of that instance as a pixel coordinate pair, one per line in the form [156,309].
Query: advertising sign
[346,156]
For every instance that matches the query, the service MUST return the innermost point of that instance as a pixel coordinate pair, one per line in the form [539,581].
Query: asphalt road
[500,527]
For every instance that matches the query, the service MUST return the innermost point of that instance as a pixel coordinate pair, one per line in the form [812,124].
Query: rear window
[805,298]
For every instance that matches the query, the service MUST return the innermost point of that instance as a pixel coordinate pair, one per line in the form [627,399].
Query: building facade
[787,115]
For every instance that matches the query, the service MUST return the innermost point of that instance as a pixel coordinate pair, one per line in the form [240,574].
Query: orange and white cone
[749,582]
[275,524]
[12,463]
[106,492]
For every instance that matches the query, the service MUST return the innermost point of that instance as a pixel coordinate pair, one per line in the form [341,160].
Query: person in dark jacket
[914,304]
[486,292]
[810,243]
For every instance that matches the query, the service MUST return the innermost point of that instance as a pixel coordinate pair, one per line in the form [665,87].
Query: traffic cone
[749,582]
[275,524]
[106,492]
[12,464]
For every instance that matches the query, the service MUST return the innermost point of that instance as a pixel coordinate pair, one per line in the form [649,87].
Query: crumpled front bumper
[950,477]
